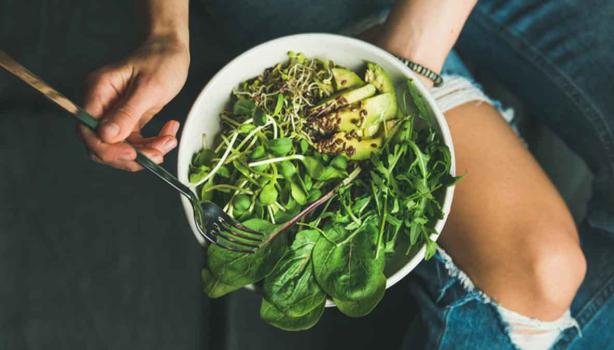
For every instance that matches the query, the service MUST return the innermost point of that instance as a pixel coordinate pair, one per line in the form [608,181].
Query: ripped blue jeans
[558,59]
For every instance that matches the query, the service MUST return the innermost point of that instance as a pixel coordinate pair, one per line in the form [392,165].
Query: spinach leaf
[270,314]
[362,306]
[348,268]
[240,269]
[213,287]
[291,287]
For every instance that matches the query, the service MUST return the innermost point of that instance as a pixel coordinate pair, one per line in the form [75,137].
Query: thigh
[508,228]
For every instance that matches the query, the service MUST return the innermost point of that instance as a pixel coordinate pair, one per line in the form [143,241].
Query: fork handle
[21,72]
[91,122]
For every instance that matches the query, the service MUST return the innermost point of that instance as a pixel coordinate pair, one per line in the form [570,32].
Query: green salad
[290,135]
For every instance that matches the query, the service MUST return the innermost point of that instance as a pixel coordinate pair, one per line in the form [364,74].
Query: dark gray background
[94,258]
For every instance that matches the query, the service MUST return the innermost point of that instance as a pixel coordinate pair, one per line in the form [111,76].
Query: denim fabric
[557,57]
[450,316]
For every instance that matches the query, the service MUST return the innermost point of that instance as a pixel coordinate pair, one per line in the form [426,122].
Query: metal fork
[213,224]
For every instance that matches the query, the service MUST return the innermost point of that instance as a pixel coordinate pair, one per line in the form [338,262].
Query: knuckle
[124,114]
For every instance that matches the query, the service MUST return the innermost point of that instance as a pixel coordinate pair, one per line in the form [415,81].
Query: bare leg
[509,229]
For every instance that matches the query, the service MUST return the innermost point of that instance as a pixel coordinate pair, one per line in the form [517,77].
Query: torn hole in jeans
[525,333]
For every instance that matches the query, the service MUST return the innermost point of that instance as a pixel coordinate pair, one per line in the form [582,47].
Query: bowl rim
[384,55]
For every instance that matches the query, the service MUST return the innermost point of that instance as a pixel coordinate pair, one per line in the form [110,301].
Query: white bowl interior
[203,118]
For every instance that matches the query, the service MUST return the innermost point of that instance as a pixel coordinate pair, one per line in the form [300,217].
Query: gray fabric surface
[90,257]
[94,258]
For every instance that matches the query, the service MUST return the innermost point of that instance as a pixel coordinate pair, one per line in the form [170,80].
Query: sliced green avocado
[343,98]
[350,145]
[345,78]
[361,115]
[374,129]
[377,76]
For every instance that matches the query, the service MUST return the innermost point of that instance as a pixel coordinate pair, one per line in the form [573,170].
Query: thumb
[140,104]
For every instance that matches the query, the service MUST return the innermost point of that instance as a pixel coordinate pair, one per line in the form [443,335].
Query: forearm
[425,31]
[165,19]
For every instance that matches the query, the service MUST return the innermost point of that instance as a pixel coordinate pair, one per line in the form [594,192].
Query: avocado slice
[377,76]
[342,99]
[361,115]
[345,78]
[372,130]
[350,145]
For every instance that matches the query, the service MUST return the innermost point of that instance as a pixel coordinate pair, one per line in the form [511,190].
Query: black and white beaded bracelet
[422,70]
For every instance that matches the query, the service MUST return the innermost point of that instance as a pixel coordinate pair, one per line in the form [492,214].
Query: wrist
[414,46]
[174,35]
[169,42]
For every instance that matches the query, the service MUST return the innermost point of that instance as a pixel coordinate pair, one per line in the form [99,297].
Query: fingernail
[110,129]
[175,127]
[169,145]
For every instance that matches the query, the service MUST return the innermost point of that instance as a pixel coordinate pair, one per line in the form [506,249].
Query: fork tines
[234,236]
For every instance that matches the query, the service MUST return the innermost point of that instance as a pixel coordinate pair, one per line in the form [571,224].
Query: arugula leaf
[417,99]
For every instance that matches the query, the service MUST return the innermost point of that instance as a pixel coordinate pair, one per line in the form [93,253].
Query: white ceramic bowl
[352,53]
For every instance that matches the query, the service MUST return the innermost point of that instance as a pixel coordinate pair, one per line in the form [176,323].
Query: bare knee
[541,273]
[532,269]
[556,268]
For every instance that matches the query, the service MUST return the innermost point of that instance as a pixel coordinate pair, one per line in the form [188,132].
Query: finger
[165,142]
[170,128]
[153,154]
[112,154]
[101,90]
[121,121]
[120,155]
